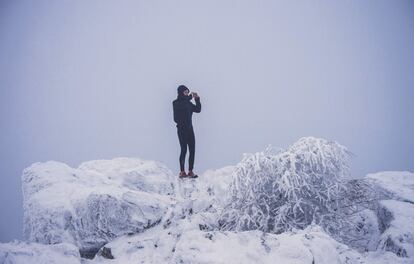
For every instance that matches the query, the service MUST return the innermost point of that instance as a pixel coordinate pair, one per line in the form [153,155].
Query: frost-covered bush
[355,222]
[277,191]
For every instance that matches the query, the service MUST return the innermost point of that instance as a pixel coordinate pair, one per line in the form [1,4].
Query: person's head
[182,90]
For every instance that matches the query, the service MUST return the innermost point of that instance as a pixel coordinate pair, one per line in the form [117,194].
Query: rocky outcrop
[94,203]
[128,209]
[397,220]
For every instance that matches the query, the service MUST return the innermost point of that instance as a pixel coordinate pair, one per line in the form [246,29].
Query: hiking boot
[182,174]
[191,175]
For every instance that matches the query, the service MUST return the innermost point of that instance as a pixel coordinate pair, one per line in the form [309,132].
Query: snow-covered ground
[129,210]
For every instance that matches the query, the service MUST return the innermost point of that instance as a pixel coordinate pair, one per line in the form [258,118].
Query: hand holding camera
[195,95]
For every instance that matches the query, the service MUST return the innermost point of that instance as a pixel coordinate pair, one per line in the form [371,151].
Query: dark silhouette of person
[183,110]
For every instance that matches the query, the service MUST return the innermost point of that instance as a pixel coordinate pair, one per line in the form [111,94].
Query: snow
[94,203]
[396,215]
[275,192]
[17,252]
[184,242]
[399,236]
[130,210]
[306,246]
[399,183]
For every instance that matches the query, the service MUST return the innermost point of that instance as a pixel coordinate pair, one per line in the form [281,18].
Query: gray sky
[84,80]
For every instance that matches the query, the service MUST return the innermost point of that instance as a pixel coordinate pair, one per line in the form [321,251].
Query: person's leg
[191,147]
[183,144]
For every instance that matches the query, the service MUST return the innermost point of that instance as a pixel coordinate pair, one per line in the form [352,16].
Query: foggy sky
[85,80]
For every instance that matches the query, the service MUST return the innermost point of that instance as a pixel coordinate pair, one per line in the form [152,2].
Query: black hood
[181,95]
[180,92]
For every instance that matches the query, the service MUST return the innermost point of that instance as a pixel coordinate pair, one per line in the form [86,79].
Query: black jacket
[183,110]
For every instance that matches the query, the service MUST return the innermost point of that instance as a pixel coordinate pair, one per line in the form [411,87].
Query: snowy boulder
[216,184]
[398,184]
[94,203]
[208,192]
[395,213]
[398,221]
[17,252]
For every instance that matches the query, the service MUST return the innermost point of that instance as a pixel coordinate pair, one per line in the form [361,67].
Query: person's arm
[175,114]
[197,106]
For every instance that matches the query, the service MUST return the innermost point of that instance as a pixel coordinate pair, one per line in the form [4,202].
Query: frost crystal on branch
[275,192]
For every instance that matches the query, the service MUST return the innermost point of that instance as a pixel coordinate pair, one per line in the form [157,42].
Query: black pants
[186,137]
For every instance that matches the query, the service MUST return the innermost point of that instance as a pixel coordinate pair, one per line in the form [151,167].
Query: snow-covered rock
[400,184]
[185,244]
[208,191]
[398,219]
[305,246]
[17,252]
[188,235]
[395,215]
[90,205]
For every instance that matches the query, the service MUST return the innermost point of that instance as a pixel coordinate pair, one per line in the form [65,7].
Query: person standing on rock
[183,110]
